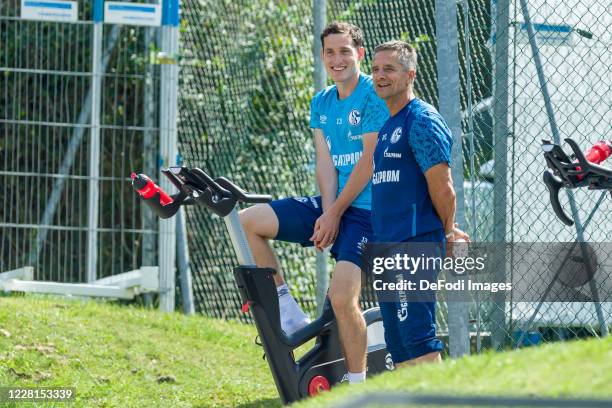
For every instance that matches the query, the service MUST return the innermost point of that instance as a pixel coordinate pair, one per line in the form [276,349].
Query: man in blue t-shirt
[346,118]
[413,199]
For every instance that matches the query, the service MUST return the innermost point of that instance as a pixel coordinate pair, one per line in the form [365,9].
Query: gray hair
[406,54]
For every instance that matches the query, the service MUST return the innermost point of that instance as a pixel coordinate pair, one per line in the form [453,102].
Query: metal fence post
[183,263]
[319,9]
[168,149]
[448,90]
[500,156]
[150,152]
[94,144]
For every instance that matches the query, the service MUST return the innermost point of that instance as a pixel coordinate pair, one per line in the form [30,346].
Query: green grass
[577,369]
[118,356]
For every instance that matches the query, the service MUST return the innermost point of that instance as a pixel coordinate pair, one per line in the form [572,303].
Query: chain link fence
[244,111]
[246,84]
[246,79]
[559,87]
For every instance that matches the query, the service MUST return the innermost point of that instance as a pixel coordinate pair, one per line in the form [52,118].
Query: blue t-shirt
[409,144]
[343,123]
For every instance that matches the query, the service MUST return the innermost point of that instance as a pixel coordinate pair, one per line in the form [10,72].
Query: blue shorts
[410,327]
[296,221]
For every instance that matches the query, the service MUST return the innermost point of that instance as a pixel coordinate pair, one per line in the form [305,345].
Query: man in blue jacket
[413,199]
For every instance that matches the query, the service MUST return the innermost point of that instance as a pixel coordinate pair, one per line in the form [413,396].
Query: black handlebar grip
[554,185]
[164,211]
[240,194]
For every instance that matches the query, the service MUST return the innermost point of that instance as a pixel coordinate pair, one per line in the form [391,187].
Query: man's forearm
[360,177]
[327,180]
[444,202]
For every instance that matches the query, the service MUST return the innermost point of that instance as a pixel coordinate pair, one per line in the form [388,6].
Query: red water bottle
[147,188]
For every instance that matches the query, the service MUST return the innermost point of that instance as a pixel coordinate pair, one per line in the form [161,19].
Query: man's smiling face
[341,57]
[391,79]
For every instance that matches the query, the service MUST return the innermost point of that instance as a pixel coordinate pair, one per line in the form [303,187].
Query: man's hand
[326,230]
[456,243]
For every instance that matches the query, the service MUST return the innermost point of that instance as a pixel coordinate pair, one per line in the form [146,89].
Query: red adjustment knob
[597,154]
[245,307]
[318,384]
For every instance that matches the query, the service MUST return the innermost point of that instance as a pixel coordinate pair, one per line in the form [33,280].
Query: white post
[183,263]
[450,108]
[319,15]
[94,145]
[168,151]
[499,332]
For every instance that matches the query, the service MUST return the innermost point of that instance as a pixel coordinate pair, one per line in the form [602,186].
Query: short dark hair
[406,54]
[337,27]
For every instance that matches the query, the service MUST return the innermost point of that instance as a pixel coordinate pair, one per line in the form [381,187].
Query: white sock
[356,378]
[292,317]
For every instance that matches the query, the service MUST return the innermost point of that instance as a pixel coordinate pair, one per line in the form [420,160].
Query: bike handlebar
[243,196]
[573,171]
[196,186]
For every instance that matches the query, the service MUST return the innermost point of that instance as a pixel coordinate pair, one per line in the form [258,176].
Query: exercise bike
[323,365]
[571,171]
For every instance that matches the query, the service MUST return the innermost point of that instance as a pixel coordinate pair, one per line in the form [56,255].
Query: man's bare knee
[247,219]
[344,288]
[343,303]
[259,220]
